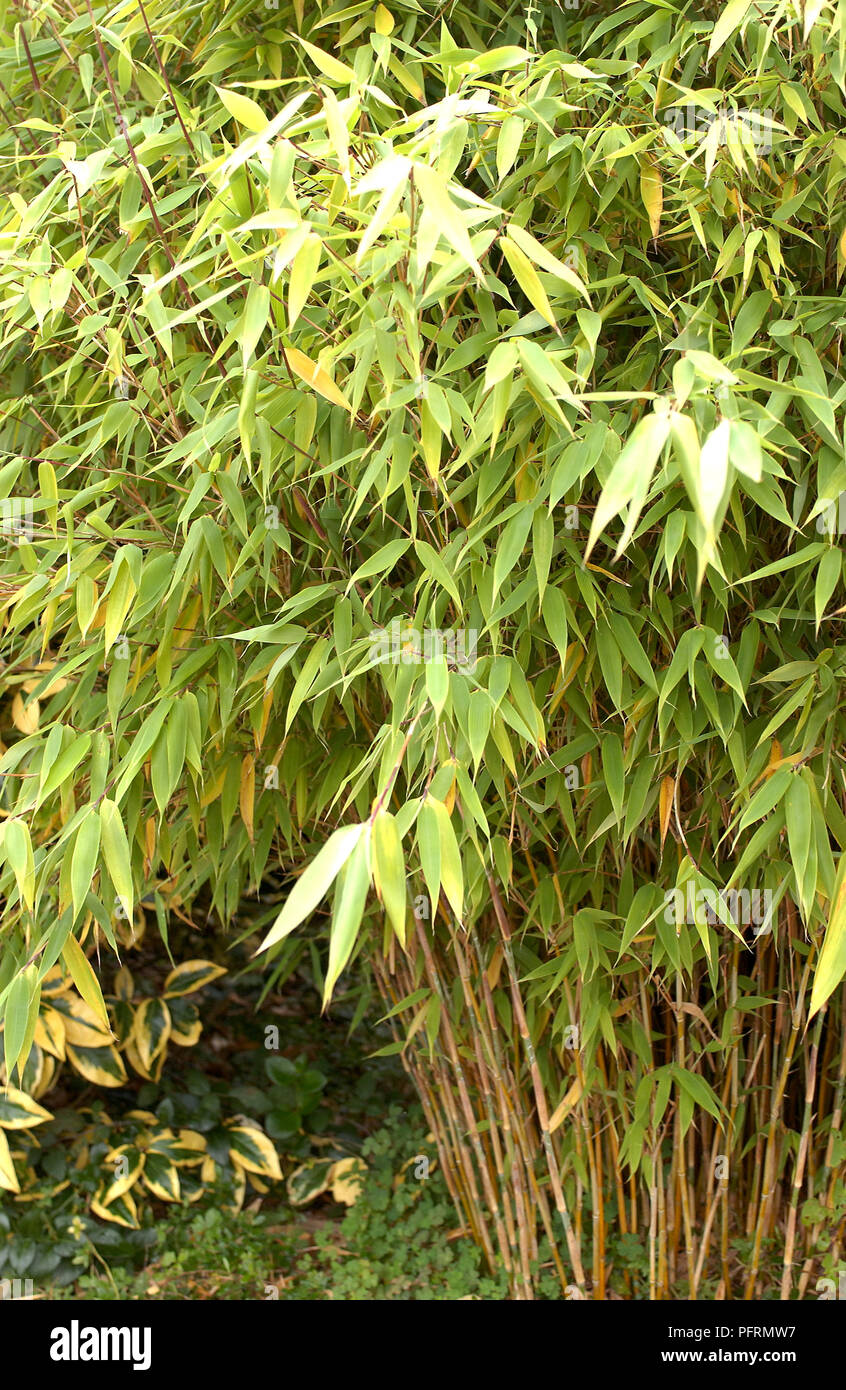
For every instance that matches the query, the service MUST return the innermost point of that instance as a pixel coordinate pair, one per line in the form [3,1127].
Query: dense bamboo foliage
[422,453]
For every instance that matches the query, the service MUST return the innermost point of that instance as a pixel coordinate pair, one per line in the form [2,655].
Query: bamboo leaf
[314,883]
[350,897]
[246,111]
[316,378]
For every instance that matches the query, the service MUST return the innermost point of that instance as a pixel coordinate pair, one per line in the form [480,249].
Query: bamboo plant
[422,479]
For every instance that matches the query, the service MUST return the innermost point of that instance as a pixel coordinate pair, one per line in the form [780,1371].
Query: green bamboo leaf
[389,871]
[768,796]
[512,542]
[17,851]
[118,603]
[15,1019]
[85,980]
[630,477]
[613,772]
[508,144]
[429,848]
[350,897]
[437,683]
[86,851]
[434,565]
[797,816]
[729,21]
[828,577]
[385,559]
[246,111]
[451,872]
[447,218]
[256,311]
[116,854]
[480,715]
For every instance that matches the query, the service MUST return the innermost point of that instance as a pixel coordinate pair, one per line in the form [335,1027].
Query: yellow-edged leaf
[252,1150]
[191,975]
[347,1179]
[152,1030]
[101,1065]
[20,1111]
[8,1176]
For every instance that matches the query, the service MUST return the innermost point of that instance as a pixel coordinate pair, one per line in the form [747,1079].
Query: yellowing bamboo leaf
[316,377]
[665,805]
[53,688]
[652,193]
[528,279]
[247,792]
[25,717]
[561,1111]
